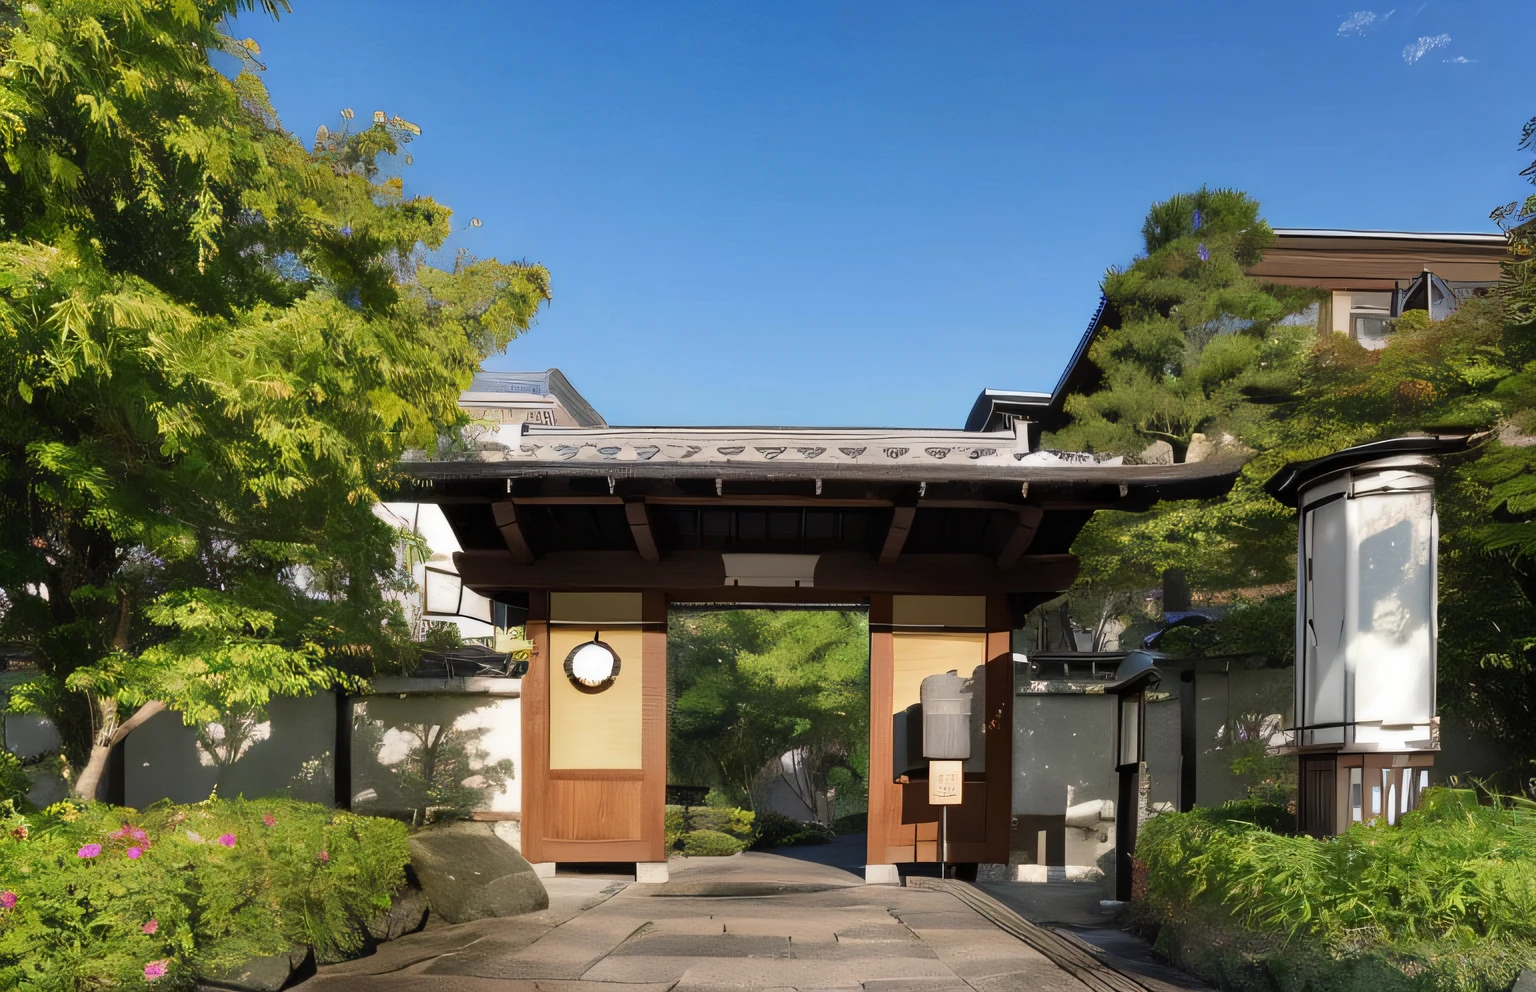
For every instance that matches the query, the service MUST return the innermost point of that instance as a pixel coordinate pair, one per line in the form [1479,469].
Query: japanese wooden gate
[948,537]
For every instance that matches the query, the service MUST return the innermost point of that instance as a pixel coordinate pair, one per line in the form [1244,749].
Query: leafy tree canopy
[215,344]
[1292,394]
[750,685]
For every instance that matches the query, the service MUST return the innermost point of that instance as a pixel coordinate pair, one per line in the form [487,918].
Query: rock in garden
[263,974]
[468,873]
[407,913]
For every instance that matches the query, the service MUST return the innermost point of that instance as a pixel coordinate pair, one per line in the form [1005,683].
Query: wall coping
[405,685]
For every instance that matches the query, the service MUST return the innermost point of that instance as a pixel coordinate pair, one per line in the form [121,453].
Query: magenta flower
[154,970]
[7,899]
[228,840]
[151,927]
[269,820]
[324,857]
[88,851]
[135,853]
[138,834]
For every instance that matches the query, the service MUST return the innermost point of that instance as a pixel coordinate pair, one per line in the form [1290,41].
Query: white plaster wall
[290,750]
[470,743]
[29,736]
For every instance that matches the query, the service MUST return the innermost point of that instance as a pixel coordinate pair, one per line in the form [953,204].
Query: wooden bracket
[505,514]
[896,537]
[1022,537]
[640,528]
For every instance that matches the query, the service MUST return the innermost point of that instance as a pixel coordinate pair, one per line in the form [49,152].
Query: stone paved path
[753,921]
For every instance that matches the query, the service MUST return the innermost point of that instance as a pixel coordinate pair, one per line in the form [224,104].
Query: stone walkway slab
[750,922]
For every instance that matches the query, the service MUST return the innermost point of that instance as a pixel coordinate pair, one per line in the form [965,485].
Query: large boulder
[468,873]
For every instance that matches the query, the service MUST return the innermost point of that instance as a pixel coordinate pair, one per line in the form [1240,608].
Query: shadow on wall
[424,757]
[290,750]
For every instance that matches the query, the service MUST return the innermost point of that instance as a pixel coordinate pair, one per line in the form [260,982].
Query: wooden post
[653,725]
[534,707]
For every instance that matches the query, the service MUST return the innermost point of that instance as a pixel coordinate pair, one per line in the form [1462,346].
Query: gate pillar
[912,637]
[595,756]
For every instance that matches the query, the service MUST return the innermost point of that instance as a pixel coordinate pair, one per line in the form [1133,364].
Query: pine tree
[215,344]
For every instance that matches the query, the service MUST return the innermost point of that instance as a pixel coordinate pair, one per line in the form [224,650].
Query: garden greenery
[94,896]
[1444,900]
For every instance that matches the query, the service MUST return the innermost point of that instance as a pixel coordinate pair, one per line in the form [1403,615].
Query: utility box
[946,701]
[1365,729]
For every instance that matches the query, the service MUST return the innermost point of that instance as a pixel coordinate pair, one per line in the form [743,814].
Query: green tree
[750,685]
[1472,373]
[1202,358]
[215,344]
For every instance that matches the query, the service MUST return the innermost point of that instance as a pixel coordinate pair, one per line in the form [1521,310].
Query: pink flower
[120,834]
[88,851]
[7,899]
[228,840]
[135,853]
[324,856]
[155,969]
[269,820]
[138,834]
[151,926]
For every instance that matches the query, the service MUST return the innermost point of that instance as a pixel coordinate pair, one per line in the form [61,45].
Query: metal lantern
[1364,722]
[946,709]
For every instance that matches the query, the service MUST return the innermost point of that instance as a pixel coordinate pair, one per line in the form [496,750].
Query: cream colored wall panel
[939,611]
[919,655]
[595,608]
[597,729]
[1342,302]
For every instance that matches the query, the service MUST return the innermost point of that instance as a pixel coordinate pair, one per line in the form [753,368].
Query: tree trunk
[88,783]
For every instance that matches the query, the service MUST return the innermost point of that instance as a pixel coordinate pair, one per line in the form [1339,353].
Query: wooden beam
[793,502]
[505,514]
[1022,537]
[839,574]
[640,529]
[896,537]
[579,500]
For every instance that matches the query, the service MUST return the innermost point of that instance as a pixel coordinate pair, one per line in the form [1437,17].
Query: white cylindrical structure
[1366,606]
[946,717]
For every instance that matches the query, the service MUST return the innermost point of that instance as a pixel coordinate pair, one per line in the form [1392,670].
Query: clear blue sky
[863,213]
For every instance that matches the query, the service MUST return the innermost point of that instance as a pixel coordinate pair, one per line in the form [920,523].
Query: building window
[1370,316]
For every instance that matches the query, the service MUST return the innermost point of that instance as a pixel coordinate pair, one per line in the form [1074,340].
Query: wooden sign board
[944,782]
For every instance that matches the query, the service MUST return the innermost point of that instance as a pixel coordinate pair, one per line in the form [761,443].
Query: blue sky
[863,213]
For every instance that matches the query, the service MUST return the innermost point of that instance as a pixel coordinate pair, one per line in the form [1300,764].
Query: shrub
[675,825]
[15,783]
[1444,900]
[99,893]
[710,844]
[737,823]
[774,829]
[853,823]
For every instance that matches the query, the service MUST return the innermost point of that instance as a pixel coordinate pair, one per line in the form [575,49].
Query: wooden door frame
[890,839]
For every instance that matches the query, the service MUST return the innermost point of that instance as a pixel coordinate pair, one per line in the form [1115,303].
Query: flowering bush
[97,896]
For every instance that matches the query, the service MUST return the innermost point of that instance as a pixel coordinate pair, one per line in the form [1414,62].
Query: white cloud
[1357,22]
[1460,60]
[1415,50]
